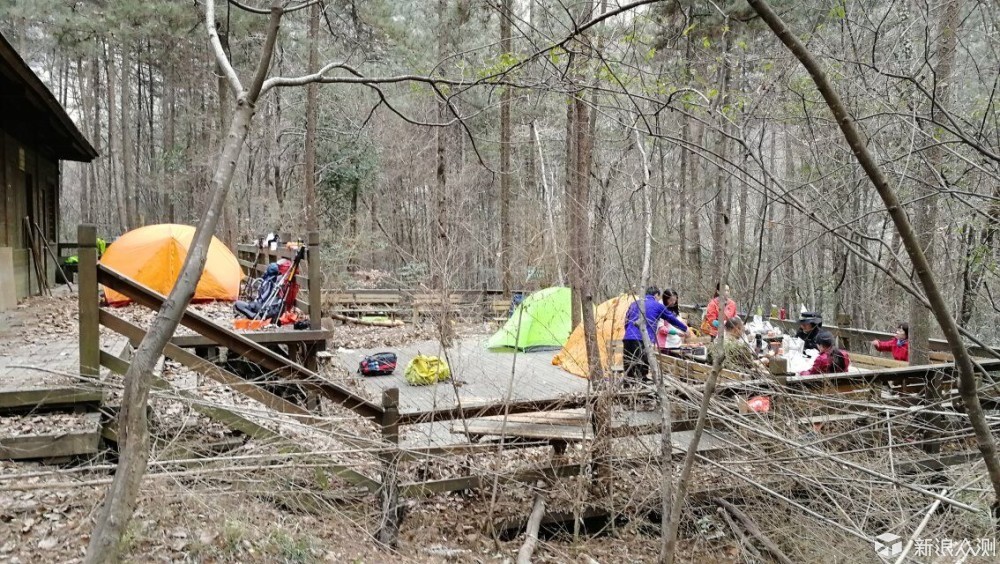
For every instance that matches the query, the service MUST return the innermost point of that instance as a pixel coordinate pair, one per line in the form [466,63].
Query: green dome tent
[545,319]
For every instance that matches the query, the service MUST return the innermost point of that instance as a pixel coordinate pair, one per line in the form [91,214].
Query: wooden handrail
[241,345]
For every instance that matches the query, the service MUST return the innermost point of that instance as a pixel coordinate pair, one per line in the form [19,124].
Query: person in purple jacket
[633,350]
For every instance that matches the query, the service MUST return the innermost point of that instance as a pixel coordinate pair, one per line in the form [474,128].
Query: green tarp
[543,321]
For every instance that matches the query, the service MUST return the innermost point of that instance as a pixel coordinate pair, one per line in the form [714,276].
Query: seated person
[633,349]
[738,354]
[670,301]
[810,325]
[668,336]
[831,359]
[710,325]
[900,346]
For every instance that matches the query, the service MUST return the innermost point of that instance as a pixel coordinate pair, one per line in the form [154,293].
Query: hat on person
[812,317]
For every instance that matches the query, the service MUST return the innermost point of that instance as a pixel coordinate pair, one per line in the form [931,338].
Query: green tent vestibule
[543,321]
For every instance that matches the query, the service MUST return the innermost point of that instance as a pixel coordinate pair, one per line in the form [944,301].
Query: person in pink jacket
[900,346]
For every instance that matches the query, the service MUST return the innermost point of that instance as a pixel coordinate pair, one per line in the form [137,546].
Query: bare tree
[968,381]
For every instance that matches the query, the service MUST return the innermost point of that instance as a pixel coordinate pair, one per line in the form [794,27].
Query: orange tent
[153,256]
[610,321]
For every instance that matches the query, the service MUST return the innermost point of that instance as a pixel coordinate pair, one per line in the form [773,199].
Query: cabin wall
[29,181]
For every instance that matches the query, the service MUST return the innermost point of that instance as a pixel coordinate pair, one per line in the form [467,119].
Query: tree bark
[968,381]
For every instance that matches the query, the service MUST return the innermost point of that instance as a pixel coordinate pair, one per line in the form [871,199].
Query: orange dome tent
[153,256]
[610,321]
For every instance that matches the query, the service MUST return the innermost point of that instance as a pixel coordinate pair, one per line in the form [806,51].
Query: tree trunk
[788,244]
[694,206]
[505,172]
[925,218]
[720,223]
[228,229]
[440,244]
[312,104]
[85,105]
[128,179]
[169,113]
[967,380]
[569,210]
[113,185]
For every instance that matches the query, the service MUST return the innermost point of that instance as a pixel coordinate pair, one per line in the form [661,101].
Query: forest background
[687,110]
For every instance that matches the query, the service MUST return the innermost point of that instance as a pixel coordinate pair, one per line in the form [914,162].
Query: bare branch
[251,9]
[256,87]
[220,53]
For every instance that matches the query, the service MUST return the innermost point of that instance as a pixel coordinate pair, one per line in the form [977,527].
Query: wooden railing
[414,302]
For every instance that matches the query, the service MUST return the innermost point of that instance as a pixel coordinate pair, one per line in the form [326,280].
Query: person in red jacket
[900,346]
[711,322]
[831,359]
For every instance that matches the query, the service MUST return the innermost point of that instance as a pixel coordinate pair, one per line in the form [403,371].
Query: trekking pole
[289,280]
[52,255]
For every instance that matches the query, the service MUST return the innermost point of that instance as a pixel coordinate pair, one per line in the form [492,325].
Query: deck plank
[48,374]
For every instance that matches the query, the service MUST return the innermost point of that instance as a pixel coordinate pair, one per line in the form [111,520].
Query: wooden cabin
[35,134]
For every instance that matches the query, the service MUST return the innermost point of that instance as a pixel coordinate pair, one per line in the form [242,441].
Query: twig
[754,530]
[920,528]
[531,531]
[739,534]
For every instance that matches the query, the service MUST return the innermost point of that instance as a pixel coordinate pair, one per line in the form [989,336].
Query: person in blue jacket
[634,352]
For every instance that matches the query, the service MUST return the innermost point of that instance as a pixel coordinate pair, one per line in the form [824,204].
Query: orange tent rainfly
[153,256]
[610,321]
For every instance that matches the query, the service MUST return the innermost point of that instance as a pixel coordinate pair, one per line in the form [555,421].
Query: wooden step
[50,436]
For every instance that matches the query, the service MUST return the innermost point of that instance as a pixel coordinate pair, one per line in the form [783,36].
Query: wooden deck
[47,374]
[479,376]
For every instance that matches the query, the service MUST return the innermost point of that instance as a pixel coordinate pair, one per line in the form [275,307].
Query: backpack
[425,370]
[378,364]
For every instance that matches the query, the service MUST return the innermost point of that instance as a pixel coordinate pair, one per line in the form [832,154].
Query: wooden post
[484,302]
[262,259]
[601,447]
[388,530]
[90,327]
[844,321]
[315,282]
